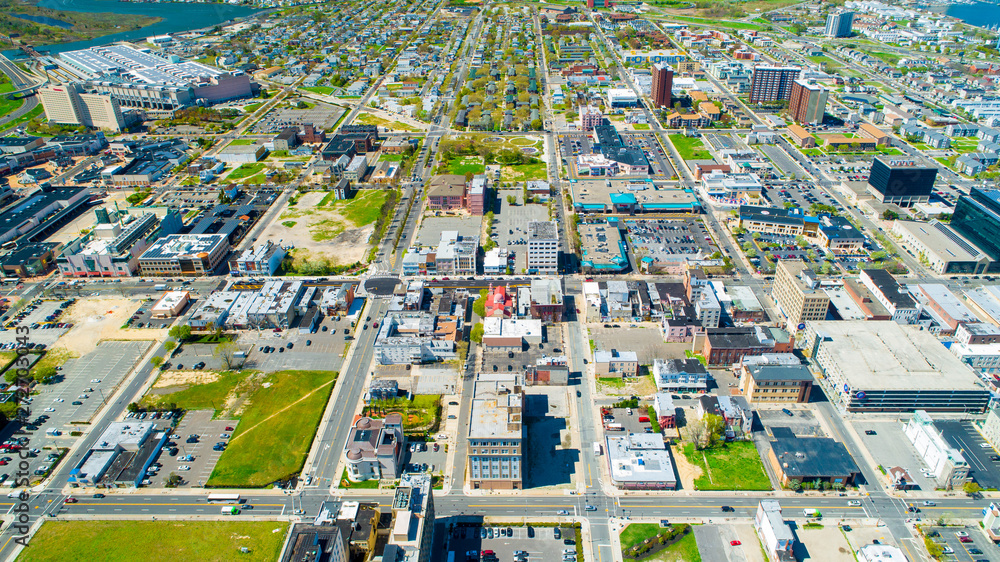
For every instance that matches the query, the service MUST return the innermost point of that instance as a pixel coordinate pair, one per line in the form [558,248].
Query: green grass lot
[523,172]
[246,170]
[250,108]
[275,431]
[690,148]
[640,126]
[365,485]
[614,382]
[823,59]
[730,466]
[466,164]
[325,90]
[718,23]
[241,142]
[638,532]
[6,105]
[392,157]
[369,119]
[363,210]
[55,358]
[684,550]
[127,541]
[889,58]
[420,413]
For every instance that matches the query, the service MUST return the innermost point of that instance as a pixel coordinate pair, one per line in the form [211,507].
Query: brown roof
[447,185]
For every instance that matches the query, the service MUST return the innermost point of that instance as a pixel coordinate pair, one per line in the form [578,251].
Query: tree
[133,407]
[170,345]
[716,426]
[180,333]
[476,334]
[794,485]
[46,375]
[889,215]
[173,480]
[156,361]
[971,488]
[479,307]
[697,432]
[226,351]
[801,241]
[879,255]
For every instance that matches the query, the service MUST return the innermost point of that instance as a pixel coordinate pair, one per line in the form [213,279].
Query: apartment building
[807,102]
[772,83]
[798,295]
[543,247]
[884,287]
[496,433]
[775,383]
[663,84]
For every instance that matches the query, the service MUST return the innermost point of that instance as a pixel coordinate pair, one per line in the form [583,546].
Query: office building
[839,24]
[546,300]
[775,383]
[616,363]
[640,461]
[184,255]
[797,293]
[807,102]
[71,104]
[900,182]
[375,448]
[977,219]
[882,366]
[110,249]
[543,247]
[775,535]
[725,346]
[258,261]
[663,85]
[496,433]
[942,248]
[170,304]
[772,83]
[811,459]
[947,465]
[622,97]
[680,374]
[896,300]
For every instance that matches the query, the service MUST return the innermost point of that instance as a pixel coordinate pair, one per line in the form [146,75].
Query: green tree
[226,351]
[180,333]
[169,345]
[133,407]
[794,485]
[476,334]
[46,375]
[716,427]
[889,215]
[511,200]
[479,307]
[971,488]
[156,361]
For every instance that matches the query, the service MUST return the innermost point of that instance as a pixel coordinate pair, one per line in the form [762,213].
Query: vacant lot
[730,466]
[690,148]
[246,170]
[523,172]
[422,414]
[462,165]
[321,228]
[278,414]
[684,550]
[127,541]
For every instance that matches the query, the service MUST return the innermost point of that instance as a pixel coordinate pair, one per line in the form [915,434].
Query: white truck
[597,449]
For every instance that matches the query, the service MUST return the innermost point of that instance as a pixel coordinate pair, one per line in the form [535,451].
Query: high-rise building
[900,182]
[543,247]
[839,25]
[663,84]
[797,293]
[807,102]
[977,218]
[772,83]
[69,104]
[496,433]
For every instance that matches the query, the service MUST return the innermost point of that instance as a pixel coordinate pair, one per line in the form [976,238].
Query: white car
[984,445]
[854,503]
[961,534]
[59,400]
[183,467]
[50,409]
[95,380]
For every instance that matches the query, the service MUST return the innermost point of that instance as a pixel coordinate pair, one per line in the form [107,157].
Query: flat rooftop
[887,355]
[497,407]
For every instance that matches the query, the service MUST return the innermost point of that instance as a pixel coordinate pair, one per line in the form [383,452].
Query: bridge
[24,86]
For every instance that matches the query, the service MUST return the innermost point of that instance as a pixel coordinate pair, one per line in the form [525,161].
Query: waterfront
[177,17]
[981,14]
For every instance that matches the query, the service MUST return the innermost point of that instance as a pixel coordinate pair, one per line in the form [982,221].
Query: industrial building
[496,433]
[882,366]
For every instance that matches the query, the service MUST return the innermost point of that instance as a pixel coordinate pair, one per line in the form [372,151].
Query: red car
[228,428]
[735,543]
[964,539]
[374,324]
[71,500]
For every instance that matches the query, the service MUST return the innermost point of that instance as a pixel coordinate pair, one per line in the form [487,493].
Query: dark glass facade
[900,183]
[977,218]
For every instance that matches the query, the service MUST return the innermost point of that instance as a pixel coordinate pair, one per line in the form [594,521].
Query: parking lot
[143,318]
[510,226]
[323,116]
[421,457]
[803,421]
[964,437]
[551,458]
[644,339]
[319,351]
[468,544]
[663,239]
[653,151]
[196,454]
[965,544]
[802,194]
[785,164]
[494,361]
[890,447]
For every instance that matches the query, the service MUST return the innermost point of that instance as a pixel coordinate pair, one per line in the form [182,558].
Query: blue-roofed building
[603,248]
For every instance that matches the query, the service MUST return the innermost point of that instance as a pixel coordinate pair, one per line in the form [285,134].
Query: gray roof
[813,457]
[780,373]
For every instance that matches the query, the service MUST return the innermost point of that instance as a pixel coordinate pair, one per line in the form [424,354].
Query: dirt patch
[184,378]
[96,319]
[318,232]
[686,472]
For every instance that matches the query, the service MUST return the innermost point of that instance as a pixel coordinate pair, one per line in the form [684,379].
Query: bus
[223,498]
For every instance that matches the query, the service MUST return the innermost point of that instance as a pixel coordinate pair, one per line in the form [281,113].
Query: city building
[112,249]
[990,428]
[991,521]
[807,102]
[640,461]
[170,304]
[945,251]
[772,83]
[590,117]
[622,97]
[977,219]
[880,553]
[496,433]
[42,213]
[628,160]
[375,448]
[456,254]
[71,104]
[775,383]
[547,300]
[543,247]
[616,363]
[666,411]
[708,309]
[775,535]
[121,456]
[680,374]
[241,153]
[725,346]
[184,255]
[797,293]
[446,192]
[547,371]
[811,459]
[511,333]
[945,306]
[258,261]
[901,306]
[663,85]
[412,520]
[900,182]
[882,366]
[839,24]
[947,465]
